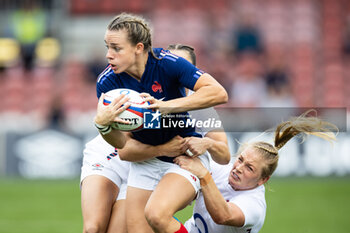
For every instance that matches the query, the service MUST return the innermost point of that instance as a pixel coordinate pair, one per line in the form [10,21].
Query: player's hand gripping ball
[133,114]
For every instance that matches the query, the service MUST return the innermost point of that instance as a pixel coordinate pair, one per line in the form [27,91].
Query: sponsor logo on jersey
[97,166]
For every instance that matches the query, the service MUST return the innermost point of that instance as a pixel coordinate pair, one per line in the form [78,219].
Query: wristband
[205,180]
[114,126]
[103,129]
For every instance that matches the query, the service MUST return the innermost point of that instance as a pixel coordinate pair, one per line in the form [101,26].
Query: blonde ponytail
[302,125]
[305,126]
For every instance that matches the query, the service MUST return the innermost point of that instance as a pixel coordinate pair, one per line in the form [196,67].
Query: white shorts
[146,175]
[100,158]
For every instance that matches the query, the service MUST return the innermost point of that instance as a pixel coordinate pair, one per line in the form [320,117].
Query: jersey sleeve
[252,207]
[186,73]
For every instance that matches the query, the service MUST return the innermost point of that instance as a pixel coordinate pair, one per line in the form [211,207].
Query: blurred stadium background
[267,54]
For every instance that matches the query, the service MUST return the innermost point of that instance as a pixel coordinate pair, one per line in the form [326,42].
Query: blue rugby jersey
[164,77]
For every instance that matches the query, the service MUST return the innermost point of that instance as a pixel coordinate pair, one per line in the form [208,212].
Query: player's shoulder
[220,172]
[256,195]
[106,74]
[165,55]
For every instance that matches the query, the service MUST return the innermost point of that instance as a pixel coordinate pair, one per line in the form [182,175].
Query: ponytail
[305,126]
[302,125]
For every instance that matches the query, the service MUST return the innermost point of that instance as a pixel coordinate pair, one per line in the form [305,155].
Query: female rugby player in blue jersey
[134,65]
[104,175]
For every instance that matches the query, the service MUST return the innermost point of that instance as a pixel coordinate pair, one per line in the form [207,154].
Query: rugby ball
[133,114]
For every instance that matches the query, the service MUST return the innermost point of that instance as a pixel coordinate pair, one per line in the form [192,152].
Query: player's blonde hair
[137,27]
[303,125]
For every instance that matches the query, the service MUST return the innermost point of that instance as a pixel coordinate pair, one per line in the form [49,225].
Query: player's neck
[137,70]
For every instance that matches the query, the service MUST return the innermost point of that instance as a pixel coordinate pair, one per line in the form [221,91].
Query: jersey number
[202,224]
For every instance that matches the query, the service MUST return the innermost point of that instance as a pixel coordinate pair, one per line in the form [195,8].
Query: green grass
[308,205]
[305,205]
[40,206]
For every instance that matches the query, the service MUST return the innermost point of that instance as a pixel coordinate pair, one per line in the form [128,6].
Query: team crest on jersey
[157,87]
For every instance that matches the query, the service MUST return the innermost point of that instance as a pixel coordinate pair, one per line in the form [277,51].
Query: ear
[139,48]
[263,180]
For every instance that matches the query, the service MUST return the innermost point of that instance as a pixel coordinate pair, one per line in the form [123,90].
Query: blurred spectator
[56,118]
[278,89]
[96,64]
[247,37]
[47,52]
[9,53]
[28,25]
[277,78]
[218,63]
[346,37]
[248,86]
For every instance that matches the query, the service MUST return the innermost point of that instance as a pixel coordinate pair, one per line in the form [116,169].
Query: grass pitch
[41,206]
[296,205]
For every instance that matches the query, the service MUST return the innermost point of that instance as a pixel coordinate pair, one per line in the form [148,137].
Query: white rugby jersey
[251,202]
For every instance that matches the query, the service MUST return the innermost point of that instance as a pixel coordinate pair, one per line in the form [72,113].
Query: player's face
[182,53]
[246,171]
[120,52]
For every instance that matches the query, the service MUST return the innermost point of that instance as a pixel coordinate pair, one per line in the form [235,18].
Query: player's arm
[214,140]
[208,92]
[136,151]
[106,115]
[217,146]
[215,143]
[221,211]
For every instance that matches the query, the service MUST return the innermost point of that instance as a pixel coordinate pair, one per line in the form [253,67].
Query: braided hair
[137,27]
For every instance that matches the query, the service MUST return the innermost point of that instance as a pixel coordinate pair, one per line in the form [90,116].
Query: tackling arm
[213,142]
[218,147]
[222,212]
[136,151]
